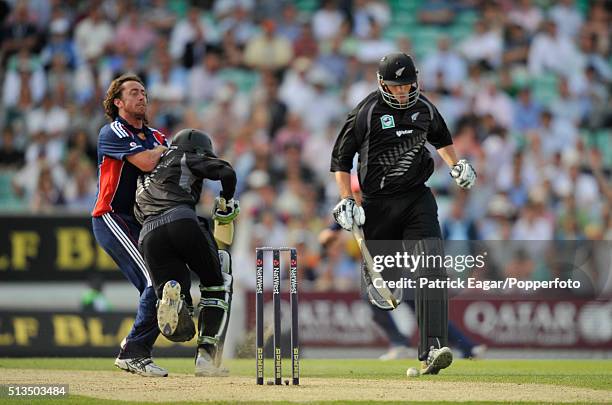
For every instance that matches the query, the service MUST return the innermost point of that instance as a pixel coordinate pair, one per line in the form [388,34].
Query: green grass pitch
[591,374]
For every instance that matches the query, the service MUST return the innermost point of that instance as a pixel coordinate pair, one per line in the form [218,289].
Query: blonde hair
[114,91]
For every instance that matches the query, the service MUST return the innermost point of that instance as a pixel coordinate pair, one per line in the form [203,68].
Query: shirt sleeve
[438,135]
[159,137]
[215,169]
[115,142]
[345,146]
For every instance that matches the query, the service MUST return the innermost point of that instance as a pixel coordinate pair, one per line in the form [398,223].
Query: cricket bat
[224,233]
[384,292]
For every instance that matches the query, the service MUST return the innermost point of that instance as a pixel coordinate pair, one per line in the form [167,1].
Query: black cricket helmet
[398,69]
[193,140]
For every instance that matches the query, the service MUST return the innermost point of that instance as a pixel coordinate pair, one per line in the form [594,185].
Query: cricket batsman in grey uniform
[389,130]
[175,242]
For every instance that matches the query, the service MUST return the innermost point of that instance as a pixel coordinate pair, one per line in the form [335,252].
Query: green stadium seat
[459,32]
[601,140]
[544,88]
[397,30]
[404,18]
[521,77]
[466,18]
[585,134]
[307,6]
[393,32]
[583,6]
[519,138]
[179,7]
[405,5]
[243,79]
[8,200]
[423,39]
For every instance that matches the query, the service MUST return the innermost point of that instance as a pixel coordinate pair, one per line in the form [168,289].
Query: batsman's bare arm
[343,180]
[449,155]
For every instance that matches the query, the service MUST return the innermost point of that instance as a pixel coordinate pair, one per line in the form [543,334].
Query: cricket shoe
[396,353]
[478,352]
[143,366]
[205,366]
[437,359]
[169,307]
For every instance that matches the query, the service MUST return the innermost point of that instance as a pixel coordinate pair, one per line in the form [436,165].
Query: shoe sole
[443,359]
[168,309]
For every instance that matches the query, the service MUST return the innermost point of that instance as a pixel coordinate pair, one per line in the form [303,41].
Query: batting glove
[225,211]
[464,174]
[346,212]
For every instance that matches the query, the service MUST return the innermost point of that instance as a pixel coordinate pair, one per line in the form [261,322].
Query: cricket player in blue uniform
[127,147]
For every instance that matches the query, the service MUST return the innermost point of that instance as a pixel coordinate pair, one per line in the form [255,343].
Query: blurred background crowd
[524,87]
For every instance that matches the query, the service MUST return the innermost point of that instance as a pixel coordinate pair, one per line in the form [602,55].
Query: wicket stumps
[276,303]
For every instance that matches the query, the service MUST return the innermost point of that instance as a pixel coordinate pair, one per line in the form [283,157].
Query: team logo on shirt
[387,121]
[414,116]
[133,144]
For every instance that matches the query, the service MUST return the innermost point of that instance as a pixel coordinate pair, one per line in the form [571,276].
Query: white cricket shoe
[479,351]
[397,352]
[169,307]
[143,366]
[437,359]
[205,367]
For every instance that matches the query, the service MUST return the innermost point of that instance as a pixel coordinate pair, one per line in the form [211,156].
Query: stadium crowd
[524,87]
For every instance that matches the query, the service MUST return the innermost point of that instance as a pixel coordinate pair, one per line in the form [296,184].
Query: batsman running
[389,129]
[174,240]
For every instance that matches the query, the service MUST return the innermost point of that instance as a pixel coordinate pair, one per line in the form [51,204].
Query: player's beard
[141,116]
